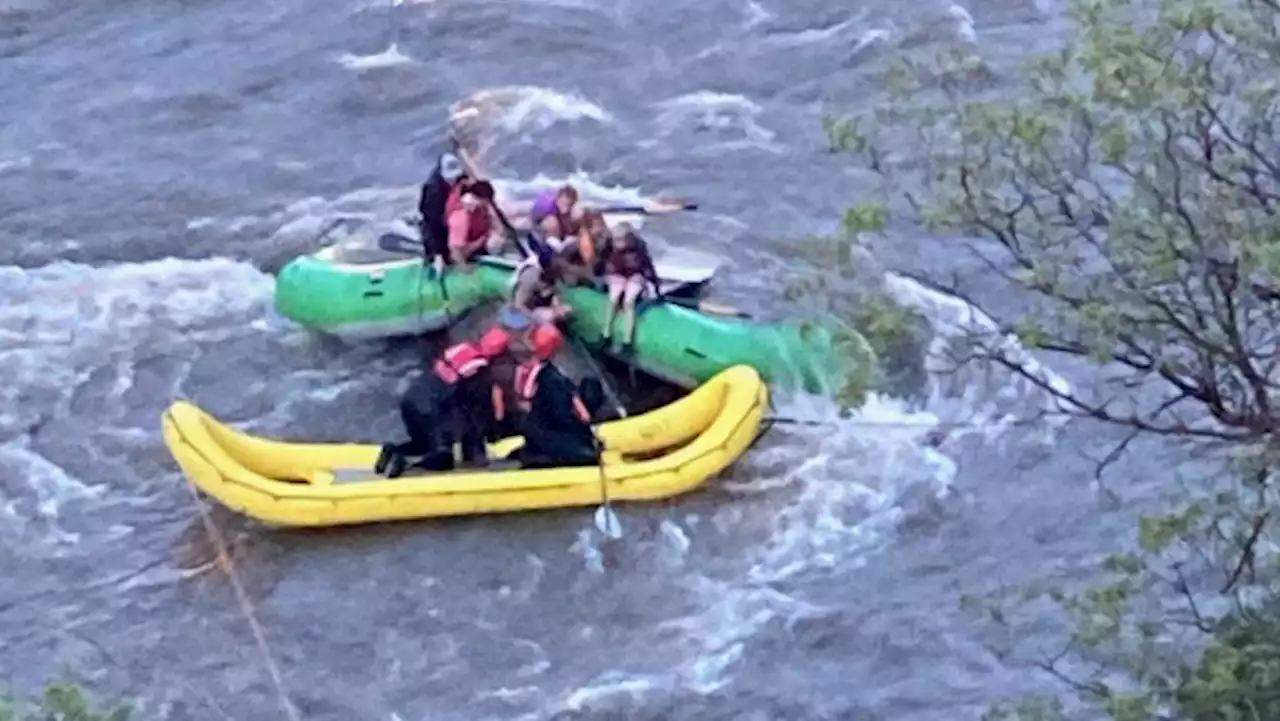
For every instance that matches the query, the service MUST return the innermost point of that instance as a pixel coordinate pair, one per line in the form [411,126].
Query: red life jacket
[463,360]
[480,224]
[526,380]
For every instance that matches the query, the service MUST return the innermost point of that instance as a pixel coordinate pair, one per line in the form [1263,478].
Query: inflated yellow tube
[661,454]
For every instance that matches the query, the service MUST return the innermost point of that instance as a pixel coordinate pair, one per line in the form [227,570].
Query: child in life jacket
[629,273]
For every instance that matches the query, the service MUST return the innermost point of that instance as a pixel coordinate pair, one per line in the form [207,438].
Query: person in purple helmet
[557,215]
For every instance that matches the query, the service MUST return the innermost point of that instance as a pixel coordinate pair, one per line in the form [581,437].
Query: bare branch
[1247,551]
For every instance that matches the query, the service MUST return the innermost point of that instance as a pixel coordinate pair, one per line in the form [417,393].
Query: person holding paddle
[557,423]
[473,226]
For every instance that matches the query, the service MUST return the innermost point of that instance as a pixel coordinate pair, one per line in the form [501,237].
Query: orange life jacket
[480,224]
[463,360]
[526,379]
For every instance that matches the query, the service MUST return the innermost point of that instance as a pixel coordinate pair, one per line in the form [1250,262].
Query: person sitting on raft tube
[556,426]
[473,226]
[535,290]
[457,394]
[629,272]
[557,215]
[580,261]
[445,177]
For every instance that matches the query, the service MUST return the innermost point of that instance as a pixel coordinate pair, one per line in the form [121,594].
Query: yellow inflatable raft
[663,453]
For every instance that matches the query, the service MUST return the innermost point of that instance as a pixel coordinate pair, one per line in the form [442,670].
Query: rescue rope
[227,563]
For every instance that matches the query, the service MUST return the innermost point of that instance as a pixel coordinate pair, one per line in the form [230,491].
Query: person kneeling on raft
[557,424]
[458,395]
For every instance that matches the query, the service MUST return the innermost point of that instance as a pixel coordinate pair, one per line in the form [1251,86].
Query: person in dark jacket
[445,177]
[456,400]
[556,426]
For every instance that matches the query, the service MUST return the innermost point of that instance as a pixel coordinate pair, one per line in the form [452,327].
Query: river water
[159,160]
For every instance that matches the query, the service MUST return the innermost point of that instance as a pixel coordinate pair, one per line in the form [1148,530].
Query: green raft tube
[368,282]
[364,288]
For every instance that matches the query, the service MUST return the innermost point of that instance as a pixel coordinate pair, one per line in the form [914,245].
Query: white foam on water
[872,37]
[827,497]
[978,397]
[965,28]
[62,322]
[389,58]
[520,108]
[815,36]
[755,14]
[734,116]
[18,162]
[299,223]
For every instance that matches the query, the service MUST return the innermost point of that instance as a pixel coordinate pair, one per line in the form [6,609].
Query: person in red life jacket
[457,398]
[473,226]
[556,425]
[629,272]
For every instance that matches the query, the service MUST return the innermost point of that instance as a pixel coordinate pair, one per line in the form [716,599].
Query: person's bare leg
[631,295]
[616,287]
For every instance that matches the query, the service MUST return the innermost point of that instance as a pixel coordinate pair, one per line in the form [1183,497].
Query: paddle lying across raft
[661,454]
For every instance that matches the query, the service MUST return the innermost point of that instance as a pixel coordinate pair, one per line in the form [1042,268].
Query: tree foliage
[841,280]
[61,701]
[1129,185]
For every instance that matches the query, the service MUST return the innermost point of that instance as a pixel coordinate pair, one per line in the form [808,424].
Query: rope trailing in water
[228,564]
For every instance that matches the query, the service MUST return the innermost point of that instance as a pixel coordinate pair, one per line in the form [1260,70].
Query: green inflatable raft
[686,346]
[368,282]
[365,287]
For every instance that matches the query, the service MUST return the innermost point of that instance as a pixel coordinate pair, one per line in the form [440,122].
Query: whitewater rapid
[805,583]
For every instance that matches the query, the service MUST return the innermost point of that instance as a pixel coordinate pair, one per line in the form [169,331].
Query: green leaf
[1124,563]
[62,701]
[865,217]
[1153,125]
[843,133]
[1115,142]
[1031,334]
[1131,707]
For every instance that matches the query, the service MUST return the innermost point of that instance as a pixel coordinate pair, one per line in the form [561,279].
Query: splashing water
[69,357]
[804,513]
[732,119]
[511,109]
[389,58]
